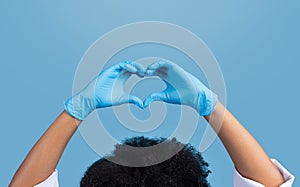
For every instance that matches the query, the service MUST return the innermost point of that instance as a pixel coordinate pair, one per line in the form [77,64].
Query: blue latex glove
[182,88]
[107,89]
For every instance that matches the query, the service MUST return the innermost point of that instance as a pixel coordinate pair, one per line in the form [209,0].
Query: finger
[135,100]
[126,69]
[158,65]
[129,67]
[132,99]
[119,67]
[140,69]
[157,72]
[134,68]
[159,68]
[158,96]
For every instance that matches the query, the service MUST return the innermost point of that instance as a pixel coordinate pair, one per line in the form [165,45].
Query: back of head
[186,168]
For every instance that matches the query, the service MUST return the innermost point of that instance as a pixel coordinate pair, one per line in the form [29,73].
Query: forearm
[42,160]
[247,155]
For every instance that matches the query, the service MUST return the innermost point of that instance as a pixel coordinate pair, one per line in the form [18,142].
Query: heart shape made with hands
[182,87]
[107,89]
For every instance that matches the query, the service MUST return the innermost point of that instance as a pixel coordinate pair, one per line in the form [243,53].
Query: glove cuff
[207,103]
[79,107]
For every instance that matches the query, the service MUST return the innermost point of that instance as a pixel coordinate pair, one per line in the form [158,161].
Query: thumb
[132,99]
[157,96]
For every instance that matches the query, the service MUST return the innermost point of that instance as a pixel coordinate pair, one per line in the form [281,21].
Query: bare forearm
[247,155]
[42,160]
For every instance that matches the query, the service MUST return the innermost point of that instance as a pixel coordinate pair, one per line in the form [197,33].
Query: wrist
[206,103]
[79,107]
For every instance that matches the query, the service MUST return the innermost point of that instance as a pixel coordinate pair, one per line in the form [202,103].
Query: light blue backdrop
[256,44]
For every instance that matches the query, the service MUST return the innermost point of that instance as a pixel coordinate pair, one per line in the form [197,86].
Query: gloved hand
[107,89]
[182,88]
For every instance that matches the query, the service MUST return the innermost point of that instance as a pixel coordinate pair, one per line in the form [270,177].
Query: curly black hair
[186,168]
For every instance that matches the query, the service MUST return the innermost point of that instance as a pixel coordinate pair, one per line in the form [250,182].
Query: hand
[182,88]
[107,89]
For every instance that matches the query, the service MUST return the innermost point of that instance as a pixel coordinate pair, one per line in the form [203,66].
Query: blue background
[256,44]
